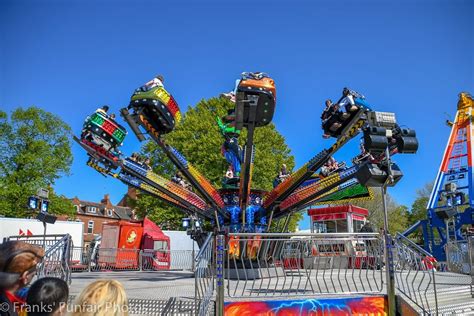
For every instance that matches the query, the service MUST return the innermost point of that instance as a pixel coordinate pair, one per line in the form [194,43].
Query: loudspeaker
[407,143]
[371,175]
[46,218]
[375,139]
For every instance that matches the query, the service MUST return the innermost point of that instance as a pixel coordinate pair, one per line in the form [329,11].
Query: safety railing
[80,259]
[279,264]
[55,263]
[39,240]
[433,287]
[118,259]
[415,274]
[457,256]
[167,260]
[204,277]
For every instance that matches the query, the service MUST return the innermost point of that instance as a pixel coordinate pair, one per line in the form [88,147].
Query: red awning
[339,209]
[358,217]
[152,230]
[329,217]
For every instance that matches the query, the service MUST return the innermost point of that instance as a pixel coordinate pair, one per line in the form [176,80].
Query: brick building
[93,215]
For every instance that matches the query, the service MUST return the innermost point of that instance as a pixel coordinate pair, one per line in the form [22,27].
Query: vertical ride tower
[452,200]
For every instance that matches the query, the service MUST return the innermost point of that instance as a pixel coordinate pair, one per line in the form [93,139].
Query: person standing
[18,264]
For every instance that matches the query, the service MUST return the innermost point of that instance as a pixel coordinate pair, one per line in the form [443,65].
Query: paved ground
[156,285]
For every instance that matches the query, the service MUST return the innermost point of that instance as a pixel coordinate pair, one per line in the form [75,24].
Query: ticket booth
[352,252]
[338,219]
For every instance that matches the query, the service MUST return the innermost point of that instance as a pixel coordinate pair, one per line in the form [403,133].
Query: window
[92,209]
[341,226]
[331,227]
[358,225]
[110,212]
[76,207]
[320,227]
[90,227]
[160,245]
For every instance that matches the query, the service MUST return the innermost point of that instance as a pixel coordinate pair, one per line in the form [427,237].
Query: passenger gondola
[158,107]
[255,89]
[342,114]
[101,137]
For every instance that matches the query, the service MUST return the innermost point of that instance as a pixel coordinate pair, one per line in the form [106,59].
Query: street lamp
[193,228]
[186,223]
[192,225]
[40,202]
[382,136]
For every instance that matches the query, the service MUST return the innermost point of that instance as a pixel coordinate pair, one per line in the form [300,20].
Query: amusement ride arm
[197,180]
[313,191]
[293,182]
[346,192]
[189,200]
[246,174]
[136,182]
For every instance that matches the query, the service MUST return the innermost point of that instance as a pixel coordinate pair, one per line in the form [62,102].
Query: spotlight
[44,206]
[186,222]
[33,202]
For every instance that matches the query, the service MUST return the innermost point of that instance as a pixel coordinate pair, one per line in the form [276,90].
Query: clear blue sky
[410,57]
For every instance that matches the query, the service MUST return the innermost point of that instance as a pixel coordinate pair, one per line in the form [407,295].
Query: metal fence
[55,263]
[458,256]
[271,264]
[205,277]
[434,287]
[45,241]
[415,274]
[118,259]
[262,265]
[156,307]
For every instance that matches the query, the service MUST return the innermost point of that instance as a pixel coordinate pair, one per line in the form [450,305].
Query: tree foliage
[197,138]
[398,215]
[418,208]
[35,150]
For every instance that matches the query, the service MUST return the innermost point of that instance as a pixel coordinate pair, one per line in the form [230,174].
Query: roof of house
[118,212]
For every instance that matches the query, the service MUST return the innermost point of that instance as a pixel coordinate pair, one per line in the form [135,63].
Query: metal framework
[451,202]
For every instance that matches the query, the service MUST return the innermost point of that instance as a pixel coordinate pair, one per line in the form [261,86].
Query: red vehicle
[123,243]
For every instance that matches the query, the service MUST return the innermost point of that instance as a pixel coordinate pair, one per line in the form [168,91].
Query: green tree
[398,215]
[198,138]
[418,208]
[35,150]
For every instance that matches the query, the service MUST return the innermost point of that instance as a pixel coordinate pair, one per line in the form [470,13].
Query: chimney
[132,193]
[76,201]
[106,201]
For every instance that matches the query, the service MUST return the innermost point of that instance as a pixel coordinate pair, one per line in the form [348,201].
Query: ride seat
[259,93]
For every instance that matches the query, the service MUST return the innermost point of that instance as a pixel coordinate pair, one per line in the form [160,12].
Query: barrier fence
[54,263]
[415,274]
[119,259]
[458,256]
[204,276]
[288,265]
[262,265]
[39,240]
